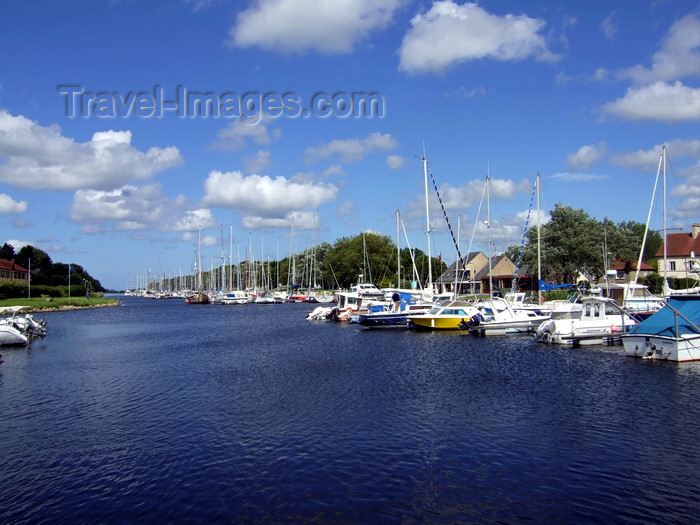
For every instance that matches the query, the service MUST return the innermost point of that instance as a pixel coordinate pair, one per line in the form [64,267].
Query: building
[683,254]
[9,271]
[502,271]
[469,266]
[621,272]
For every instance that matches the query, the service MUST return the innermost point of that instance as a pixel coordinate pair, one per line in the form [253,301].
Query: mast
[662,163]
[488,229]
[427,221]
[539,253]
[663,157]
[398,251]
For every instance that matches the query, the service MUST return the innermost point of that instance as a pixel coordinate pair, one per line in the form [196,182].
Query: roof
[680,245]
[621,265]
[10,265]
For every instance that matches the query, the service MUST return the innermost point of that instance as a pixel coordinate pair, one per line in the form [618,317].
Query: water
[158,411]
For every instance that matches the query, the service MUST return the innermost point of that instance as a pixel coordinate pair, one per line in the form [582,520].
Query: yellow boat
[444,316]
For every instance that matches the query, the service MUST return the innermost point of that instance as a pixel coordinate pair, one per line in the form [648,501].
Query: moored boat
[448,315]
[600,321]
[672,333]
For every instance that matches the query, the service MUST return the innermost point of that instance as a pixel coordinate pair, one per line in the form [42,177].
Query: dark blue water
[158,411]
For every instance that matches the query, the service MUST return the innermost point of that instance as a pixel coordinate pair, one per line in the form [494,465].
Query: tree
[7,252]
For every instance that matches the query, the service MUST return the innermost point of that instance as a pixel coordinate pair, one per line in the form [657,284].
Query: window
[672,266]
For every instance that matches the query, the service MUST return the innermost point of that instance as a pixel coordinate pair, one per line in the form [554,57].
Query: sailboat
[672,333]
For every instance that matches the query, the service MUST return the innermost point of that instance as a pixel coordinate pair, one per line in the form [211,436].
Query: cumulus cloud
[659,101]
[263,196]
[608,27]
[258,162]
[352,150]
[299,25]
[586,156]
[9,205]
[41,157]
[395,162]
[578,177]
[135,208]
[678,57]
[236,135]
[451,33]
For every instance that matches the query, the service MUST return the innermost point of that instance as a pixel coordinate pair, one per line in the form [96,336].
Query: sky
[133,133]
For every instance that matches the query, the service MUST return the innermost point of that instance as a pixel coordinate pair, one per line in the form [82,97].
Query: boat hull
[426,322]
[679,349]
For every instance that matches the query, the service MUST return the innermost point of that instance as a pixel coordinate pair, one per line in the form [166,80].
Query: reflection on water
[161,411]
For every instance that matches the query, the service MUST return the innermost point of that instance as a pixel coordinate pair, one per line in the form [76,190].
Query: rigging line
[444,212]
[522,242]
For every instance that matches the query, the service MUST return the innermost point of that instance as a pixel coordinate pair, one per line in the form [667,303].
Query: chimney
[696,230]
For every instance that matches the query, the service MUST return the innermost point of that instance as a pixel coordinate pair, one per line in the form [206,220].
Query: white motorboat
[19,329]
[672,333]
[448,315]
[10,335]
[497,317]
[600,321]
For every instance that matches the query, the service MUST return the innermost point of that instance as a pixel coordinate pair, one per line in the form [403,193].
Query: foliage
[572,241]
[46,276]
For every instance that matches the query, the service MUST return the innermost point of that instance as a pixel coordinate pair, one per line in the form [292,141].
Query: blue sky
[99,166]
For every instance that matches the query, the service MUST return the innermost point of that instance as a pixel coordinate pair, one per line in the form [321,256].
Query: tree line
[46,277]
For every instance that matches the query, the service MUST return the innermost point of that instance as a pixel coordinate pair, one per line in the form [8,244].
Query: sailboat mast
[646,228]
[539,253]
[488,230]
[663,156]
[427,221]
[398,250]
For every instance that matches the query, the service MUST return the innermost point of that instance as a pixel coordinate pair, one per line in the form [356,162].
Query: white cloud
[450,33]
[40,157]
[659,101]
[135,208]
[297,25]
[263,196]
[258,162]
[608,27]
[578,177]
[303,220]
[395,162]
[236,135]
[9,205]
[586,156]
[353,150]
[679,56]
[689,207]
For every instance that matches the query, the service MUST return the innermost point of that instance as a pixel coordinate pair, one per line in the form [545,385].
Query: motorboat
[396,313]
[10,335]
[497,317]
[197,298]
[672,333]
[448,315]
[19,329]
[600,321]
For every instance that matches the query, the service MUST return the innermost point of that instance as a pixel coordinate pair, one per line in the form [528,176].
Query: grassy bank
[40,304]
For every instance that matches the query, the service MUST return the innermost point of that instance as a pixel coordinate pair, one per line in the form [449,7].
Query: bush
[13,289]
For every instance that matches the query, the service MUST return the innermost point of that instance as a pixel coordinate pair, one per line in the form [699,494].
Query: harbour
[163,411]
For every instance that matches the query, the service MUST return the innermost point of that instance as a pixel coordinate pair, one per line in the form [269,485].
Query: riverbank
[56,304]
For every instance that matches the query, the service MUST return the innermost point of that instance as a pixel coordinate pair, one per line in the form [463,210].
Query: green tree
[7,252]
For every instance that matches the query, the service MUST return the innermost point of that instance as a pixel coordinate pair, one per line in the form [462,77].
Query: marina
[163,411]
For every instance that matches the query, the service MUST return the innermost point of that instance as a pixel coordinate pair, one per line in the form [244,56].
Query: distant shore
[57,304]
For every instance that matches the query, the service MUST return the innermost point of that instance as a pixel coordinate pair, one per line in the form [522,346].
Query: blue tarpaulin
[544,286]
[663,322]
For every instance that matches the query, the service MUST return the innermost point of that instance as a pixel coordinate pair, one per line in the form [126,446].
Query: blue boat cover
[663,322]
[545,287]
